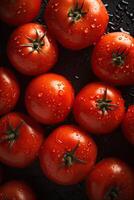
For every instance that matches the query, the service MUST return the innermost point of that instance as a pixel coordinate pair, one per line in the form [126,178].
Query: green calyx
[118,58]
[77,12]
[112,194]
[70,158]
[11,134]
[35,44]
[105,104]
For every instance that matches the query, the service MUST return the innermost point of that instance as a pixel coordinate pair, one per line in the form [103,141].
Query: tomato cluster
[68,154]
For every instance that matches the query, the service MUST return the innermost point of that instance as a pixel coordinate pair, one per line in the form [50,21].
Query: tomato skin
[49,98]
[128,124]
[9,91]
[16,190]
[29,60]
[90,117]
[102,59]
[24,149]
[63,139]
[79,34]
[111,173]
[17,12]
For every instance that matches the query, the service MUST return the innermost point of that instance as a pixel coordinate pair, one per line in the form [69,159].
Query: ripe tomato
[49,98]
[16,12]
[113,60]
[9,91]
[99,108]
[16,190]
[67,155]
[111,179]
[76,24]
[128,124]
[20,140]
[31,49]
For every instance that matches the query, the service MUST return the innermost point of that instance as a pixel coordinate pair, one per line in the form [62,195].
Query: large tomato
[128,124]
[113,59]
[111,179]
[20,140]
[99,108]
[49,98]
[76,24]
[16,190]
[9,91]
[16,12]
[31,50]
[68,155]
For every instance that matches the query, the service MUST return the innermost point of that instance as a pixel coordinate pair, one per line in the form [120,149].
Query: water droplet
[61,92]
[19,12]
[93,25]
[86,30]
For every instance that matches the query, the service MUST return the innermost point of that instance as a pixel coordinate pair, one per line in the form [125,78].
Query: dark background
[76,67]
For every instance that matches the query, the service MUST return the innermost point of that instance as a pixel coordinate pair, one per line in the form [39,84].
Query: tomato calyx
[105,104]
[35,44]
[77,12]
[112,194]
[118,58]
[70,158]
[11,134]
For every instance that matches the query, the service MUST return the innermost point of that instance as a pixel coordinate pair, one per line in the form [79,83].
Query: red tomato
[99,108]
[20,140]
[76,24]
[31,49]
[128,124]
[49,98]
[16,190]
[113,60]
[9,91]
[67,155]
[16,12]
[111,179]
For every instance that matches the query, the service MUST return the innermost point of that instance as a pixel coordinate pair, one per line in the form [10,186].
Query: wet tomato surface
[20,140]
[111,179]
[49,98]
[99,108]
[113,60]
[76,24]
[68,155]
[9,90]
[31,50]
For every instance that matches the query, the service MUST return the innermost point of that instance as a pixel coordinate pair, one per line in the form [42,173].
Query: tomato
[113,60]
[20,140]
[99,108]
[31,50]
[16,190]
[9,91]
[128,124]
[76,24]
[111,179]
[16,12]
[67,155]
[49,98]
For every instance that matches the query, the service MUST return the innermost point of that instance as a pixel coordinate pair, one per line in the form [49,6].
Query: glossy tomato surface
[99,108]
[128,124]
[16,12]
[20,140]
[49,98]
[111,179]
[31,50]
[76,24]
[9,90]
[16,190]
[113,60]
[68,155]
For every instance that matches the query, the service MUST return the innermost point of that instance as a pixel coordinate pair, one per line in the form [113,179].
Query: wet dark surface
[76,67]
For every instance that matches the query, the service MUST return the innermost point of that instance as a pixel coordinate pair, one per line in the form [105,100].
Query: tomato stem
[105,104]
[118,58]
[112,194]
[69,157]
[77,13]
